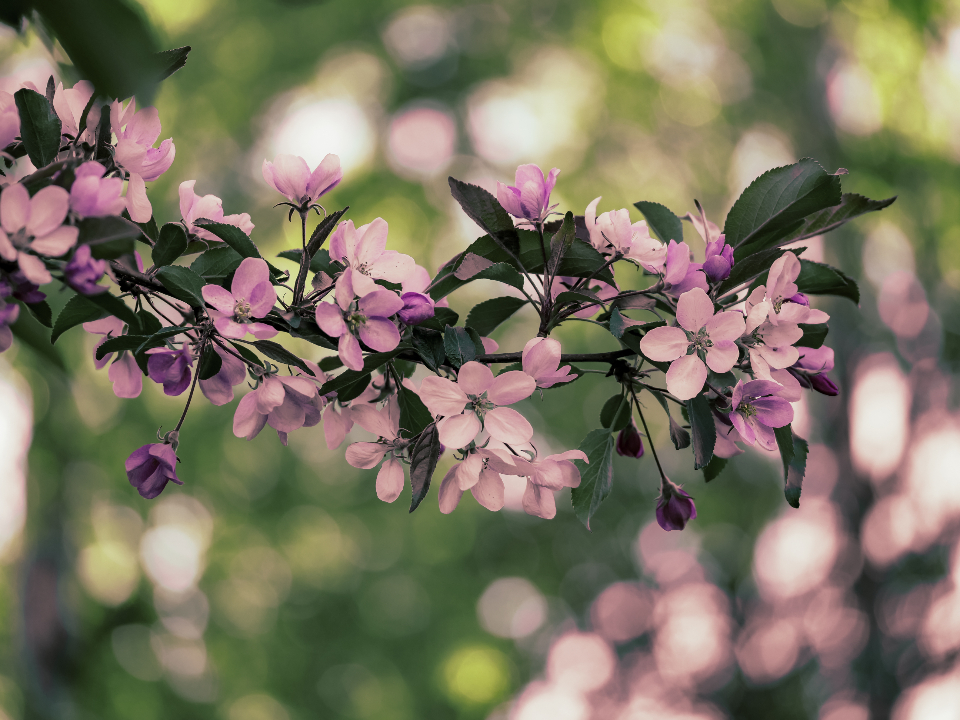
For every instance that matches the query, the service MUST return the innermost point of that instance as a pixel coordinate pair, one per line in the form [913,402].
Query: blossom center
[699,342]
[241,311]
[480,405]
[354,321]
[20,239]
[746,409]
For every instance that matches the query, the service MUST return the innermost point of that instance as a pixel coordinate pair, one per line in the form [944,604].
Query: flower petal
[507,425]
[252,272]
[489,491]
[457,431]
[686,377]
[694,309]
[57,242]
[664,344]
[723,356]
[441,396]
[390,480]
[539,501]
[381,303]
[511,387]
[349,350]
[379,334]
[14,208]
[450,493]
[365,455]
[217,297]
[329,318]
[540,356]
[727,325]
[475,378]
[48,210]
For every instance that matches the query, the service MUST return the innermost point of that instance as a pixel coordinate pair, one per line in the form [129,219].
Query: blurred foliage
[324,601]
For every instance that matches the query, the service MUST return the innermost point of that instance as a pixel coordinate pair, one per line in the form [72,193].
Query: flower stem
[653,448]
[193,387]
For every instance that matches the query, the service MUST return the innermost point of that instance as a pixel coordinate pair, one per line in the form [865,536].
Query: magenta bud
[83,272]
[717,268]
[629,442]
[800,299]
[824,385]
[417,307]
[151,467]
[675,507]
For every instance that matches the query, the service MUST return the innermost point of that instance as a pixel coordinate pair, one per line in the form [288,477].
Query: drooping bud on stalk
[629,442]
[152,466]
[675,508]
[824,385]
[678,435]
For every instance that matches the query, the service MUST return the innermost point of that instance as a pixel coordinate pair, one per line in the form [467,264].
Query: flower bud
[151,467]
[417,307]
[629,442]
[83,272]
[824,385]
[675,507]
[800,299]
[679,436]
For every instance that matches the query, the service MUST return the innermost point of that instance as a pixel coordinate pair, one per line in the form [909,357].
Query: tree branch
[513,357]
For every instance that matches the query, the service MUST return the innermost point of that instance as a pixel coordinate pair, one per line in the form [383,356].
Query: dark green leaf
[78,310]
[560,243]
[459,346]
[42,312]
[370,363]
[662,221]
[596,478]
[147,323]
[351,390]
[851,206]
[127,342]
[170,61]
[455,279]
[232,236]
[216,264]
[616,413]
[323,230]
[210,363]
[488,315]
[244,352]
[819,279]
[36,337]
[183,283]
[775,204]
[714,468]
[116,307]
[414,416]
[171,244]
[149,229]
[278,352]
[793,451]
[39,127]
[155,339]
[428,344]
[331,362]
[423,463]
[108,237]
[483,208]
[442,316]
[12,12]
[702,429]
[813,335]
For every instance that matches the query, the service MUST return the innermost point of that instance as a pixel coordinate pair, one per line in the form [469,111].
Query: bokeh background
[274,585]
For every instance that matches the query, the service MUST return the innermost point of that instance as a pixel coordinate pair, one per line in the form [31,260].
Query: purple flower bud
[719,260]
[83,272]
[800,299]
[151,467]
[417,307]
[8,316]
[629,442]
[171,368]
[824,385]
[675,507]
[16,284]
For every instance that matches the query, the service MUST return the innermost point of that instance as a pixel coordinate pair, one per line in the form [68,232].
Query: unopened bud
[629,442]
[675,508]
[824,385]
[679,436]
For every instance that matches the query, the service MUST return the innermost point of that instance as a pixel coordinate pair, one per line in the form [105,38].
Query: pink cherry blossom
[193,207]
[151,467]
[701,337]
[93,195]
[124,373]
[366,319]
[219,388]
[529,198]
[540,360]
[8,315]
[480,473]
[758,408]
[284,402]
[136,133]
[34,225]
[474,403]
[290,175]
[251,296]
[779,291]
[545,476]
[769,345]
[9,119]
[69,105]
[675,507]
[680,273]
[364,250]
[612,231]
[385,424]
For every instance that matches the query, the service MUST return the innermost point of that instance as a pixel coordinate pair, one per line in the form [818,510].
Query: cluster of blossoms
[734,336]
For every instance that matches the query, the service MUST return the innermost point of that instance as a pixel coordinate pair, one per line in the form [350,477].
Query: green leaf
[678,434]
[703,430]
[615,414]
[77,311]
[116,307]
[329,363]
[148,323]
[714,468]
[279,353]
[414,416]
[813,335]
[428,344]
[501,272]
[32,334]
[352,389]
[108,237]
[232,236]
[210,363]
[169,62]
[149,229]
[483,208]
[560,243]
[183,283]
[39,127]
[851,206]
[323,230]
[459,346]
[244,352]
[370,363]
[775,204]
[662,221]
[488,315]
[156,338]
[442,316]
[820,279]
[42,312]
[216,264]
[423,463]
[793,451]
[596,478]
[125,342]
[171,244]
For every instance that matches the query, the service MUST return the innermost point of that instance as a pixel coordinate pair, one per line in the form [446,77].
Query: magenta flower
[366,319]
[251,296]
[9,119]
[34,225]
[171,368]
[545,476]
[811,370]
[475,402]
[151,467]
[613,231]
[8,315]
[194,207]
[629,441]
[680,274]
[702,337]
[83,273]
[757,409]
[529,199]
[675,508]
[93,195]
[219,388]
[136,133]
[285,403]
[540,360]
[124,373]
[364,250]
[385,424]
[69,104]
[290,175]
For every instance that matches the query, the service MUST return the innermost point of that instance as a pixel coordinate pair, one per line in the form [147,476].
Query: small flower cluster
[735,336]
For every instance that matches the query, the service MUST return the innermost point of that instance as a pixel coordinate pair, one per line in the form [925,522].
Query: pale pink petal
[48,210]
[489,490]
[262,331]
[373,421]
[468,471]
[725,326]
[475,378]
[686,376]
[344,290]
[14,208]
[56,243]
[289,175]
[349,350]
[539,502]
[780,335]
[252,272]
[792,391]
[694,308]
[392,266]
[336,426]
[441,396]
[509,199]
[457,431]
[450,493]
[262,299]
[364,285]
[219,298]
[723,356]
[382,303]
[126,377]
[227,326]
[511,387]
[34,269]
[507,425]
[287,416]
[365,455]
[794,313]
[187,199]
[325,177]
[379,334]
[779,358]
[329,318]
[390,480]
[138,204]
[247,422]
[372,242]
[540,356]
[815,317]
[663,344]
[489,346]
[269,395]
[7,250]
